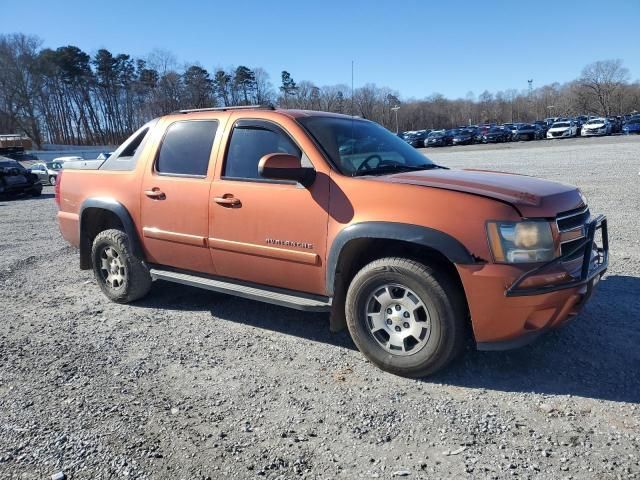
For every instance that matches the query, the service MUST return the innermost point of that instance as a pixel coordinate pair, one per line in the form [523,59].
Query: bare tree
[601,80]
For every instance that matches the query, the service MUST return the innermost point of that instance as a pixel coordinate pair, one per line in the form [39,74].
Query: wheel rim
[112,269]
[397,319]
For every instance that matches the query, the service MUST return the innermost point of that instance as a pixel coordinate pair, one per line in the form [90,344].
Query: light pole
[550,108]
[395,109]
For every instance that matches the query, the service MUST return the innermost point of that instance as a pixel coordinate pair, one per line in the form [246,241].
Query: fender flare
[111,205]
[437,240]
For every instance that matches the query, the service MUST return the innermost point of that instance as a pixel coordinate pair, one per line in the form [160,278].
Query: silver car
[47,172]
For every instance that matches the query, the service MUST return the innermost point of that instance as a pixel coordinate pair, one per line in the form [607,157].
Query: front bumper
[511,306]
[593,133]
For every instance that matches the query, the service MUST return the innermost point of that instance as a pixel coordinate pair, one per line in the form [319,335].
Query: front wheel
[405,317]
[122,276]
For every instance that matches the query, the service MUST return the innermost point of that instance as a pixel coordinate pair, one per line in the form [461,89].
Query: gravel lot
[187,384]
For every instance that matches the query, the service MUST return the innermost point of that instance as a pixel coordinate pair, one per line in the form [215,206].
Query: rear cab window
[186,147]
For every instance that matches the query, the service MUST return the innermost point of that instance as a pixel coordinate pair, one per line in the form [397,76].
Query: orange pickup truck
[325,212]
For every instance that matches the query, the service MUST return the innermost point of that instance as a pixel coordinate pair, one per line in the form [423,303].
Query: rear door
[175,196]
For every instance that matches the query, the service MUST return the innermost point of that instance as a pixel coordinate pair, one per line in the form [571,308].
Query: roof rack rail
[224,109]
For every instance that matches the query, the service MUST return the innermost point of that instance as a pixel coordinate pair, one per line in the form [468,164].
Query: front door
[266,231]
[175,197]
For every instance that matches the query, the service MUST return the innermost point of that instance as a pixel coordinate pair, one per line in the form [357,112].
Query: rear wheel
[405,317]
[122,276]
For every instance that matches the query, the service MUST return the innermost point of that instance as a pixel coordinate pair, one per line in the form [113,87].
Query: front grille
[571,245]
[572,219]
[557,134]
[571,225]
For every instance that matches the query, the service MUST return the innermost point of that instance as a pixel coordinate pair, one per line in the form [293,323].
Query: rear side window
[186,148]
[249,143]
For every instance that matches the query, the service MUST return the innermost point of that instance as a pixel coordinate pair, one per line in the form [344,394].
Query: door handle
[155,193]
[227,200]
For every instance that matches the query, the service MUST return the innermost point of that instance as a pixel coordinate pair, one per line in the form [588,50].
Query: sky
[415,47]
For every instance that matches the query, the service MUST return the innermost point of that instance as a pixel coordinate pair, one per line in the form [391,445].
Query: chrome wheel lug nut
[405,314]
[398,308]
[389,311]
[389,322]
[398,329]
[405,325]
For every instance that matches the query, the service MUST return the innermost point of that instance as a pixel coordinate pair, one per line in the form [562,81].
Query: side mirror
[282,166]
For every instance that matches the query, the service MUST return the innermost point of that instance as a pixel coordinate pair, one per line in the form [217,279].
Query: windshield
[560,125]
[596,121]
[495,130]
[54,165]
[436,135]
[525,127]
[358,146]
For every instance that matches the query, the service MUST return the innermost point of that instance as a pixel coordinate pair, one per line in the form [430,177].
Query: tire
[130,279]
[52,180]
[438,319]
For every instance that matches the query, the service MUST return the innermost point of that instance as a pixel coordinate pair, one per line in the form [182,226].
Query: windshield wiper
[396,168]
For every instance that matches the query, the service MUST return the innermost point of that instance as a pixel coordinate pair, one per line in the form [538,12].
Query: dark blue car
[632,126]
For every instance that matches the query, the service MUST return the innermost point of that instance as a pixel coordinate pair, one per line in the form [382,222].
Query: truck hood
[533,197]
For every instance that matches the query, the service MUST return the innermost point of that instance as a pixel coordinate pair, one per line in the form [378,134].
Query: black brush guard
[592,266]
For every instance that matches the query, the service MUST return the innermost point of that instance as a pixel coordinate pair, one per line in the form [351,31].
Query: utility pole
[395,109]
[530,82]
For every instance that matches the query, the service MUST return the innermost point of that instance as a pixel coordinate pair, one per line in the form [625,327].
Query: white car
[67,159]
[596,126]
[562,130]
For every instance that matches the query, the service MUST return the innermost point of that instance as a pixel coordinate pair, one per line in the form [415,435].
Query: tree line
[67,96]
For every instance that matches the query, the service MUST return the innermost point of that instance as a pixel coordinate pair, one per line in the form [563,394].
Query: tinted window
[186,148]
[249,144]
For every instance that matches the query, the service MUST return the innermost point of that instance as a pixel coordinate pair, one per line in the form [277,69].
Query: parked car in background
[526,131]
[563,129]
[71,158]
[496,135]
[631,127]
[464,136]
[47,172]
[511,127]
[416,139]
[543,127]
[15,179]
[596,126]
[616,125]
[438,138]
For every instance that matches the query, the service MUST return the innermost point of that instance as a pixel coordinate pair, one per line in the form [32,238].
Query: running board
[276,296]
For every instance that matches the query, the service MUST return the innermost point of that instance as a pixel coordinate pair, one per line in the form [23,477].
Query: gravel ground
[187,384]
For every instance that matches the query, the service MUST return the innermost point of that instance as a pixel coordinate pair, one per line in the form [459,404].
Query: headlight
[521,242]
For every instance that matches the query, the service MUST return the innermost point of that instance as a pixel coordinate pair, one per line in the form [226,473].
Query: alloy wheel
[397,319]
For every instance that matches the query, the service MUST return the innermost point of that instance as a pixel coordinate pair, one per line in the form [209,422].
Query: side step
[276,296]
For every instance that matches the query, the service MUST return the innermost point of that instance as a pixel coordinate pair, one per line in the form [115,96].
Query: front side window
[249,143]
[186,148]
